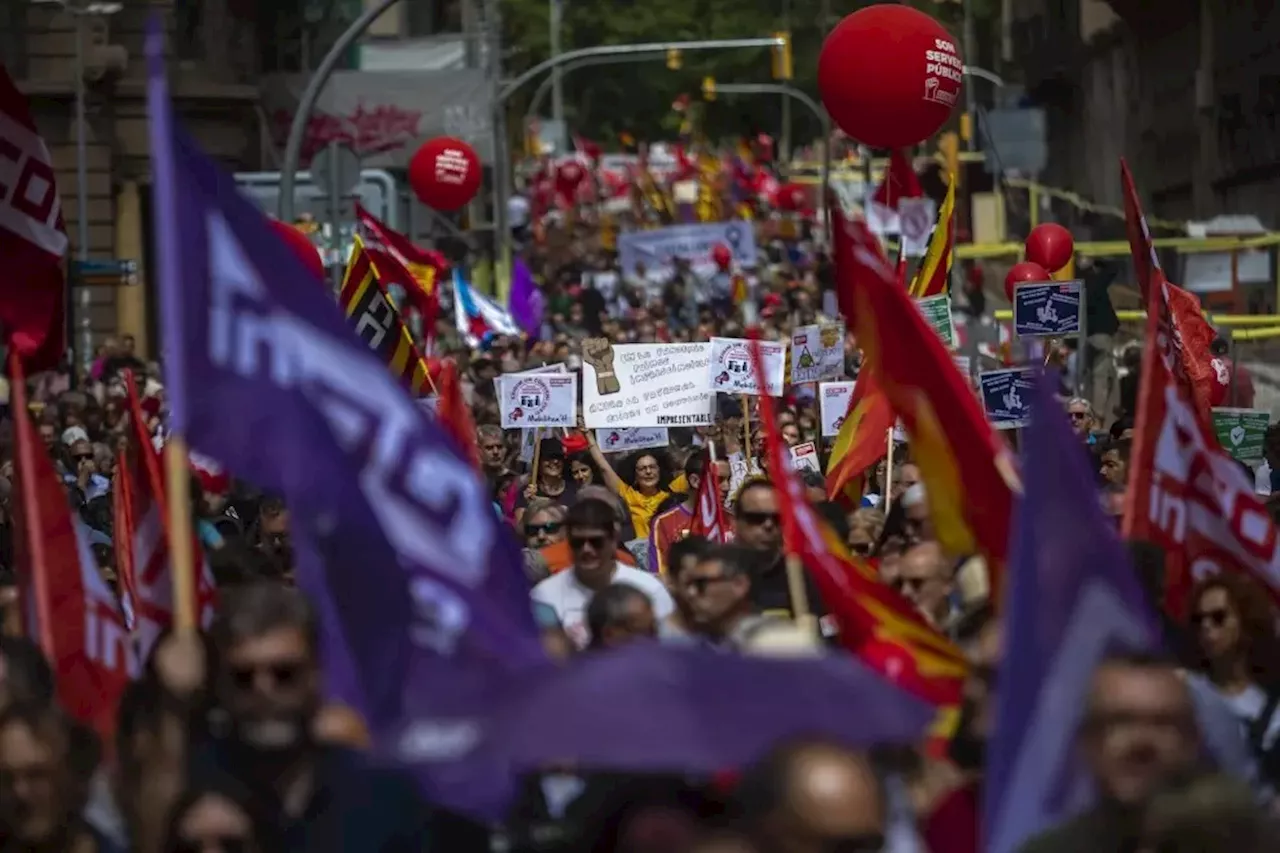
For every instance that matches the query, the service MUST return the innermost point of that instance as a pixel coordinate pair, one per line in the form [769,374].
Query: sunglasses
[597,543]
[758,519]
[222,843]
[283,673]
[548,528]
[1077,416]
[83,457]
[699,586]
[913,584]
[862,549]
[1216,618]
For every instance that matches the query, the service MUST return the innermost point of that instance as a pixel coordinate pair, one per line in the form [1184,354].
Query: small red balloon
[445,173]
[790,197]
[1027,271]
[301,245]
[1050,245]
[890,75]
[721,256]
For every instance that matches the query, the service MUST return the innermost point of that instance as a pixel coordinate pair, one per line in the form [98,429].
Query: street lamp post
[79,13]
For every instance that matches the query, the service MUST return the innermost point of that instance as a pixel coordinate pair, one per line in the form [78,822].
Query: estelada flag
[967,468]
[861,441]
[396,260]
[33,239]
[1205,377]
[370,312]
[875,622]
[934,274]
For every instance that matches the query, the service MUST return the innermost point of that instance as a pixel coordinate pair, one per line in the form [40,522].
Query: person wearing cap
[549,481]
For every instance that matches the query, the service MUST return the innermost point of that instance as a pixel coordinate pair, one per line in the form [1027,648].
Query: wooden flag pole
[888,474]
[748,452]
[181,553]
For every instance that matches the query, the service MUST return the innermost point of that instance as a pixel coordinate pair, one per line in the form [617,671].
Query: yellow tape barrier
[1226,320]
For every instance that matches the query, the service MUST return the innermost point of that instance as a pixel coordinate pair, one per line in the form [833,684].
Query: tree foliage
[636,96]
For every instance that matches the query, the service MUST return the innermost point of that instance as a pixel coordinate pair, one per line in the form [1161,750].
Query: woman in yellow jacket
[650,486]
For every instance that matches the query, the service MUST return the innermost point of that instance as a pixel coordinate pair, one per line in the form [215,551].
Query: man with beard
[267,680]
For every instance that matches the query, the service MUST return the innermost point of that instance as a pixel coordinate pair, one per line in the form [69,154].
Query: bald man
[925,577]
[814,796]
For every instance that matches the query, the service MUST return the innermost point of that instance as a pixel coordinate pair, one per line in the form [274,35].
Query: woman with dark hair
[215,815]
[1234,624]
[583,470]
[643,480]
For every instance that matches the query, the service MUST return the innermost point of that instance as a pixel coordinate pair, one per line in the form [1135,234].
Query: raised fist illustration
[598,352]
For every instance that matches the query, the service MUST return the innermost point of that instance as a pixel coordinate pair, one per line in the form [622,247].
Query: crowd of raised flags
[427,628]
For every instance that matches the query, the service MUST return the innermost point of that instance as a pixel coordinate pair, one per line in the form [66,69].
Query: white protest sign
[739,471]
[732,370]
[805,455]
[538,400]
[833,405]
[645,385]
[624,439]
[915,221]
[817,353]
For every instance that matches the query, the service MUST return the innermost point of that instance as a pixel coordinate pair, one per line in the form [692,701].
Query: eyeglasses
[1077,416]
[1216,618]
[698,586]
[597,543]
[549,528]
[914,584]
[757,519]
[283,673]
[221,843]
[83,457]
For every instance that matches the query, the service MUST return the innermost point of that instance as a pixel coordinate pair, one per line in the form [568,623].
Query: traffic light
[949,151]
[708,88]
[674,60]
[780,57]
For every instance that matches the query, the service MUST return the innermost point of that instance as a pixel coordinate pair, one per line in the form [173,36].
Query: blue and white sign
[657,248]
[1049,309]
[1006,396]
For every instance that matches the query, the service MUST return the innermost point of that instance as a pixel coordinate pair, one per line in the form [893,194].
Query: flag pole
[181,553]
[746,434]
[888,473]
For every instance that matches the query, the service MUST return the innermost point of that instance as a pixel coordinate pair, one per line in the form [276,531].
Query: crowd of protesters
[226,742]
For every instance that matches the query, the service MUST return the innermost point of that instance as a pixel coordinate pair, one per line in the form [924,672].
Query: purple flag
[1072,597]
[524,300]
[421,588]
[654,707]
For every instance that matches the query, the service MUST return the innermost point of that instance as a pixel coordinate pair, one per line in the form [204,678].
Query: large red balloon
[1050,245]
[1027,271]
[445,173]
[301,245]
[890,75]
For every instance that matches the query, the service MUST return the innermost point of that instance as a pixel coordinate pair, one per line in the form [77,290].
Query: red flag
[144,543]
[863,439]
[875,622]
[900,181]
[396,260]
[1205,377]
[966,466]
[75,616]
[33,238]
[708,517]
[454,414]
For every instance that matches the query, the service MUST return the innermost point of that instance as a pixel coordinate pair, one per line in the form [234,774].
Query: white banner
[805,455]
[657,248]
[623,440]
[540,400]
[645,385]
[817,353]
[833,405]
[732,370]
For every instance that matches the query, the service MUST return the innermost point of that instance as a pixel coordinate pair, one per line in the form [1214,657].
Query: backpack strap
[1257,728]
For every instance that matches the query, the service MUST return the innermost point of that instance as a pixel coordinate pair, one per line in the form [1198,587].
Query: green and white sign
[1241,431]
[937,312]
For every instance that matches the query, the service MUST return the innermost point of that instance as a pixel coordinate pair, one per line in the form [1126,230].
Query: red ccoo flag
[33,238]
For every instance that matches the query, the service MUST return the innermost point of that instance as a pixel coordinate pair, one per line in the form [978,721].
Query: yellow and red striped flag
[967,468]
[377,323]
[934,275]
[862,440]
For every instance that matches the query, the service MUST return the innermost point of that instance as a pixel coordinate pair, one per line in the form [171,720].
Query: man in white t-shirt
[592,531]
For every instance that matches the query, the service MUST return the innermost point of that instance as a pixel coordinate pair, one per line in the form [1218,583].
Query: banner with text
[658,248]
[1006,396]
[833,405]
[817,353]
[538,400]
[645,385]
[624,439]
[732,370]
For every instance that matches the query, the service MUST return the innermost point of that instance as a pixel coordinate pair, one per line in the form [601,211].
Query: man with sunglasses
[267,681]
[592,533]
[757,527]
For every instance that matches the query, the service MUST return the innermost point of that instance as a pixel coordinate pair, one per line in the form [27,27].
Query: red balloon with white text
[445,173]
